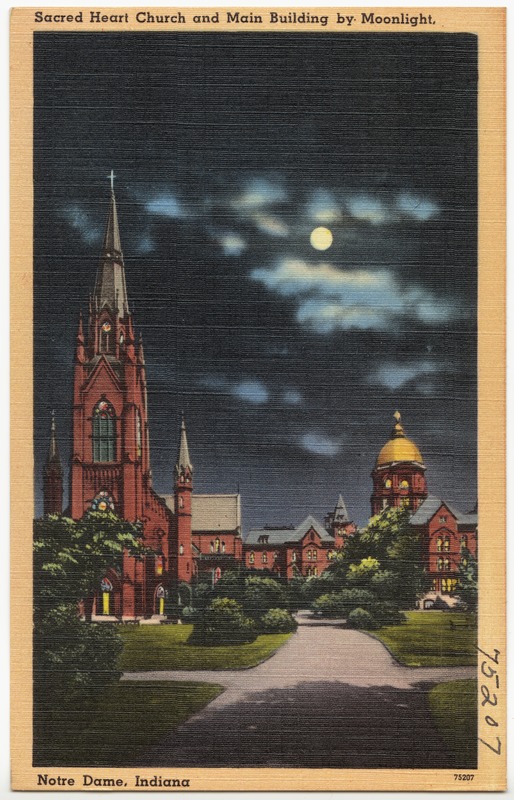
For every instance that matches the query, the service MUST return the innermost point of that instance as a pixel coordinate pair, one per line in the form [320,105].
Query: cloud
[368,209]
[392,375]
[292,397]
[271,225]
[232,244]
[259,193]
[83,222]
[420,208]
[145,245]
[329,298]
[165,205]
[320,445]
[323,207]
[251,390]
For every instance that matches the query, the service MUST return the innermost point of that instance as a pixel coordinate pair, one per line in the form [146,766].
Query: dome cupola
[399,447]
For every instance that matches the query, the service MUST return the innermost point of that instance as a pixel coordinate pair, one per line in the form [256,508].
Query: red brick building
[289,552]
[446,534]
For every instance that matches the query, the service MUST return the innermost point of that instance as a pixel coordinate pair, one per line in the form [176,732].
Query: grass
[115,726]
[454,710]
[427,639]
[164,647]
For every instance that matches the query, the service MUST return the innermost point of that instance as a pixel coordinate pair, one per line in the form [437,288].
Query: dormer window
[443,518]
[263,539]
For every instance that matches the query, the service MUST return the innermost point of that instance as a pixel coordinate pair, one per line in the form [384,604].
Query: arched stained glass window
[104,432]
[102,502]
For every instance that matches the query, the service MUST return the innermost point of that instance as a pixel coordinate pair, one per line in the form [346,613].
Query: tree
[262,594]
[70,558]
[467,590]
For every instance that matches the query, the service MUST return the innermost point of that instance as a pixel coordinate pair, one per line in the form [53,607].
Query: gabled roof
[212,512]
[278,536]
[432,505]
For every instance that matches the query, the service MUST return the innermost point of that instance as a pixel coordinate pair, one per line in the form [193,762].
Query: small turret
[183,467]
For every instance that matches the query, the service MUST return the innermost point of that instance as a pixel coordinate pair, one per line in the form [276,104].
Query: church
[190,534]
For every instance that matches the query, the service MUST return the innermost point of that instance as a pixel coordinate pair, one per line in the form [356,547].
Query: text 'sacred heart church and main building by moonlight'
[191,533]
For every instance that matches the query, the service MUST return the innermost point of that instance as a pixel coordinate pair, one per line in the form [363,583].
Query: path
[331,697]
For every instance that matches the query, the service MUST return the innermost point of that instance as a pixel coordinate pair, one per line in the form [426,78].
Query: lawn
[432,639]
[117,724]
[164,647]
[454,710]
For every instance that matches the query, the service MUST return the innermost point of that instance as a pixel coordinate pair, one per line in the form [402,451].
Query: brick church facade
[190,533]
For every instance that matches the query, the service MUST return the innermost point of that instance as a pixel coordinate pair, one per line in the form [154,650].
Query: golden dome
[398,448]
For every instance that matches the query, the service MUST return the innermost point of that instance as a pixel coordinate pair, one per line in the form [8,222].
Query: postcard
[258,414]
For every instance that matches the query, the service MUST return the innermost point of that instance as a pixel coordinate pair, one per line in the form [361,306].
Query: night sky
[228,151]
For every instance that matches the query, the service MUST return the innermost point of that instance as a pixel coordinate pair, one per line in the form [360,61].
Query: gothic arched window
[138,433]
[104,432]
[446,543]
[106,337]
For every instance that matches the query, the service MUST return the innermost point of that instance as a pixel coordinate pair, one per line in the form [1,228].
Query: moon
[321,238]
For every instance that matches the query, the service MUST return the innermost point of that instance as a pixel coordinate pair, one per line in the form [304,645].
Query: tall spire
[183,464]
[54,459]
[110,289]
[340,513]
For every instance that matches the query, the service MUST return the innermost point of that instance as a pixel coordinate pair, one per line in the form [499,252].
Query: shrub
[341,603]
[224,623]
[262,594]
[387,614]
[278,620]
[360,618]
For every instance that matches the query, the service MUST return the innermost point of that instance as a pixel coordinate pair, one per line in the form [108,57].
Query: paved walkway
[331,697]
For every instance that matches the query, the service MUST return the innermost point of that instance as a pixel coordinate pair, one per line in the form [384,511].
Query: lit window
[104,432]
[102,502]
[217,545]
[404,485]
[252,558]
[314,555]
[212,547]
[464,543]
[447,543]
[439,563]
[443,519]
[264,558]
[181,549]
[309,554]
[223,547]
[447,563]
[275,555]
[293,555]
[314,570]
[388,483]
[439,545]
[106,337]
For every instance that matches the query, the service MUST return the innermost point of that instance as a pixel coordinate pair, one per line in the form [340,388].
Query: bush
[278,620]
[262,594]
[341,603]
[360,618]
[224,623]
[388,614]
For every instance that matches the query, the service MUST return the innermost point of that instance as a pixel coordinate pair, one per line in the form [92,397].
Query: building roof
[213,512]
[276,536]
[398,448]
[432,505]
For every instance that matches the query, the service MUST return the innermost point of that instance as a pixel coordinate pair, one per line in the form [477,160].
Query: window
[104,432]
[293,555]
[217,545]
[309,555]
[102,502]
[447,563]
[404,484]
[252,558]
[106,337]
[264,558]
[181,549]
[314,555]
[159,565]
[439,563]
[439,544]
[443,519]
[388,483]
[446,543]
[449,584]
[314,570]
[435,585]
[330,554]
[463,542]
[223,547]
[275,555]
[138,433]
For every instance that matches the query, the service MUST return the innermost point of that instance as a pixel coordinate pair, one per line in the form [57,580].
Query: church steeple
[110,288]
[183,466]
[52,475]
